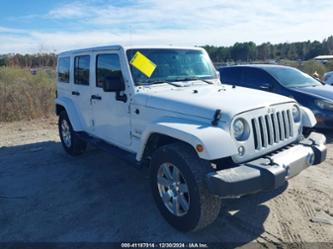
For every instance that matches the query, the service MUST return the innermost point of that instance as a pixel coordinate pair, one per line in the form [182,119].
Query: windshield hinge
[217,117]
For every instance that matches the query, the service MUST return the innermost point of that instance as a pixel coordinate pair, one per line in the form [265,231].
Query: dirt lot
[48,196]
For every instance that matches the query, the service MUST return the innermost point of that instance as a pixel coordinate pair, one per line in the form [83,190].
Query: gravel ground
[48,196]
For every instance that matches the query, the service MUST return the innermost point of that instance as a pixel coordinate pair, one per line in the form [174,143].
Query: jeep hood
[203,100]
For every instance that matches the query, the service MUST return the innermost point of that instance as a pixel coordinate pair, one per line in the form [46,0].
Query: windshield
[291,77]
[171,65]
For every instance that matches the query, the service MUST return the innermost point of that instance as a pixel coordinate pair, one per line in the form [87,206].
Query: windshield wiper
[194,78]
[153,82]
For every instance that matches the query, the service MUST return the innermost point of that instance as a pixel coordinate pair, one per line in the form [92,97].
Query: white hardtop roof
[120,47]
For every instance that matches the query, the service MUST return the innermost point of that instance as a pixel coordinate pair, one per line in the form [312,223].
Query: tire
[71,142]
[203,207]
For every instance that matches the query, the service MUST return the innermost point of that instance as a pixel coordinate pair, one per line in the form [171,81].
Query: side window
[231,75]
[106,66]
[63,69]
[81,70]
[255,78]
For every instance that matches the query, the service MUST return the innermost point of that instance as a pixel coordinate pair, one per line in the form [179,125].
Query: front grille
[272,128]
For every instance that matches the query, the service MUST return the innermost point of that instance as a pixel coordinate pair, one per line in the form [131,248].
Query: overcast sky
[44,26]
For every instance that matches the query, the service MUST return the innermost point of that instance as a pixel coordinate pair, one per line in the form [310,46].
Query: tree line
[239,52]
[249,51]
[29,60]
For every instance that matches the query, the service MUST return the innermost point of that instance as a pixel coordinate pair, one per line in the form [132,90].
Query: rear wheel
[179,188]
[71,142]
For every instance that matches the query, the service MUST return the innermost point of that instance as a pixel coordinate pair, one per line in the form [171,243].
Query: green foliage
[312,66]
[25,96]
[244,51]
[329,66]
[249,51]
[28,60]
[290,63]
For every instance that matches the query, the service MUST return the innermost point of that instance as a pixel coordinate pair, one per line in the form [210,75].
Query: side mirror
[114,83]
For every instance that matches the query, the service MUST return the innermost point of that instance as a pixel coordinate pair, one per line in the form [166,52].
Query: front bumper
[269,172]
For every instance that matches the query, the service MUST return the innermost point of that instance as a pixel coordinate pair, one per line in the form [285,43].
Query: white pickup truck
[165,108]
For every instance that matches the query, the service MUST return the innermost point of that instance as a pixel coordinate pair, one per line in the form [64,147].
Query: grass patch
[24,96]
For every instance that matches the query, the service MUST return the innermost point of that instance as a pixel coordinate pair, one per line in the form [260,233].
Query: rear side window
[63,69]
[81,70]
[253,78]
[106,66]
[231,75]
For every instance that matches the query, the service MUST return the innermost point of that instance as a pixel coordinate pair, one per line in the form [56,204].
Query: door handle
[75,93]
[96,97]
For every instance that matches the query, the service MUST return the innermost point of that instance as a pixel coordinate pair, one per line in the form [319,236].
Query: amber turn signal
[199,148]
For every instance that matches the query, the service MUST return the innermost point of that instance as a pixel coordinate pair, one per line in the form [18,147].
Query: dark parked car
[286,81]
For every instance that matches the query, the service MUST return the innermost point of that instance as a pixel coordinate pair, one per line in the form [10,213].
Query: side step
[109,148]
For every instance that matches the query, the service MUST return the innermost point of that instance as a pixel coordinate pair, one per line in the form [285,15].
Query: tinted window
[81,70]
[291,77]
[231,75]
[254,78]
[63,69]
[106,66]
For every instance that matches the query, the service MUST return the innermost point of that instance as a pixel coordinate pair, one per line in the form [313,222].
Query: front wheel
[179,188]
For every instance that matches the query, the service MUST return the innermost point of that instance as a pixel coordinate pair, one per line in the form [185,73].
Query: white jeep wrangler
[165,107]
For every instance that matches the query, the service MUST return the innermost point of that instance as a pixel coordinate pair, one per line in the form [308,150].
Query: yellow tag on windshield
[143,64]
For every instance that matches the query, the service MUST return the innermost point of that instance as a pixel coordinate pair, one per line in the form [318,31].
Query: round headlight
[296,113]
[240,130]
